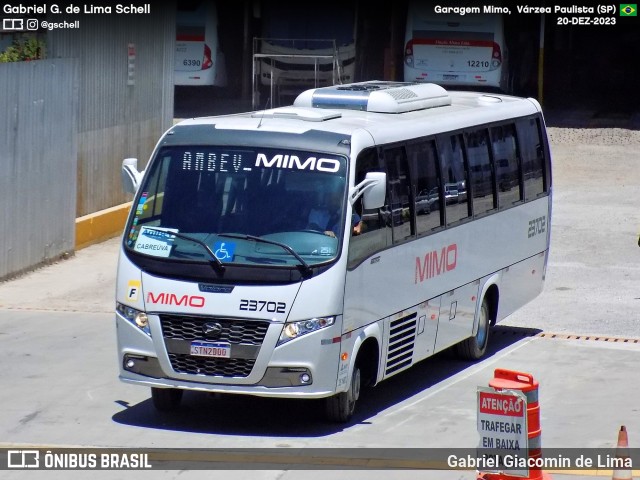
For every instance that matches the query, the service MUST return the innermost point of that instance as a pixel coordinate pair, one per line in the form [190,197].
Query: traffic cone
[622,455]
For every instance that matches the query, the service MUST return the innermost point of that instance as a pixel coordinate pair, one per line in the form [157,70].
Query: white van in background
[198,59]
[454,50]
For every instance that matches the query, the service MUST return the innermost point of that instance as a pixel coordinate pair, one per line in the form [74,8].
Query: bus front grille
[245,338]
[218,367]
[183,327]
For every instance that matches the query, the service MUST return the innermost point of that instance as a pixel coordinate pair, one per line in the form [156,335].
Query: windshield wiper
[287,248]
[215,263]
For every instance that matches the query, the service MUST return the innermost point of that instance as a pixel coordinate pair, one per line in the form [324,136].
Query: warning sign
[502,425]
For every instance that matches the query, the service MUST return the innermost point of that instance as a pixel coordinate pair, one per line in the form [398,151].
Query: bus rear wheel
[474,348]
[166,399]
[340,407]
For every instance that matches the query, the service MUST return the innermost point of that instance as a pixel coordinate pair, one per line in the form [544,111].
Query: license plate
[449,77]
[208,349]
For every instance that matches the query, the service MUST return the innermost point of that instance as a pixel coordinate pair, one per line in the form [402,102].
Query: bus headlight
[297,329]
[136,317]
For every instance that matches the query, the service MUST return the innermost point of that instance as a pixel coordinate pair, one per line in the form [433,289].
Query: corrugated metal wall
[37,162]
[117,120]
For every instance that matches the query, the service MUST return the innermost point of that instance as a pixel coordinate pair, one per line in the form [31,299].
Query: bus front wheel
[341,406]
[474,348]
[166,399]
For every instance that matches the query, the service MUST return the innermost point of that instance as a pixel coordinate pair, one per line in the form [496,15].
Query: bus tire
[166,399]
[340,407]
[474,348]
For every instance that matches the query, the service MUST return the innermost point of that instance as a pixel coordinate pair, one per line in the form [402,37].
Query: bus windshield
[249,206]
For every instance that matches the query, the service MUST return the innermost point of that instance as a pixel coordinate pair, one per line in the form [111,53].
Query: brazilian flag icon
[629,10]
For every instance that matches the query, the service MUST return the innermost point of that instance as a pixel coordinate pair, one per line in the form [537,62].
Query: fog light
[142,320]
[131,363]
[305,378]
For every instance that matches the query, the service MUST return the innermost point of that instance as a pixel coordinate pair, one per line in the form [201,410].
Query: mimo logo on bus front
[164,298]
[293,162]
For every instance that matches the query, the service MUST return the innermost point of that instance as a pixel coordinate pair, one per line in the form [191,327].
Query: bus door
[457,314]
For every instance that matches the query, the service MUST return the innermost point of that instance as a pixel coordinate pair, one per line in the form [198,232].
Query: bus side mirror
[375,190]
[130,175]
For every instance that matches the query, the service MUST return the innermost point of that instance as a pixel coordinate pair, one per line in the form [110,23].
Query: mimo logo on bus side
[434,263]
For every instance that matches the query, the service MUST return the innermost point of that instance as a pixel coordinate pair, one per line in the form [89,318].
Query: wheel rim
[483,327]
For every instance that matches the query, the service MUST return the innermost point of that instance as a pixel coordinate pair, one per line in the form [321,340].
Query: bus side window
[399,198]
[423,159]
[480,171]
[533,163]
[375,231]
[507,163]
[454,177]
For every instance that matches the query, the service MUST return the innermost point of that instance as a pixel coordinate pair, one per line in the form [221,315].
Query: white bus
[198,60]
[225,284]
[454,50]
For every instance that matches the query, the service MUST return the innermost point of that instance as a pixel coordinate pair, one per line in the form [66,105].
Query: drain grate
[593,338]
[507,331]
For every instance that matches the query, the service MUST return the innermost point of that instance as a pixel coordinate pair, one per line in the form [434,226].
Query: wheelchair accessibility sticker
[224,251]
